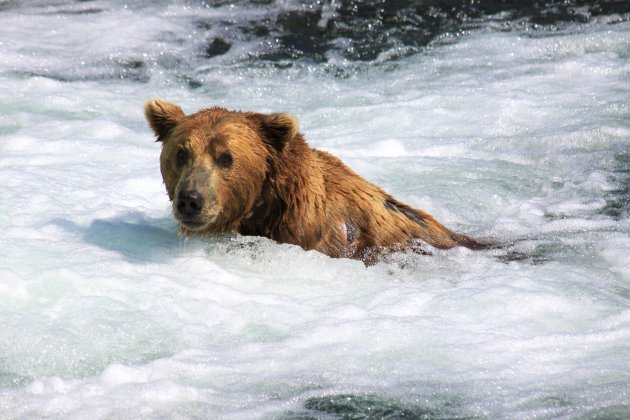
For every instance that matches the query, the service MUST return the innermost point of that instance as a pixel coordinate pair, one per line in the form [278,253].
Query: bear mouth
[193,224]
[196,224]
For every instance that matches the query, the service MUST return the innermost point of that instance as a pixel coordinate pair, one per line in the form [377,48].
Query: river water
[510,126]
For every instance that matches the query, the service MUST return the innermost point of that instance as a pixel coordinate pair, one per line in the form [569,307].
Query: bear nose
[189,203]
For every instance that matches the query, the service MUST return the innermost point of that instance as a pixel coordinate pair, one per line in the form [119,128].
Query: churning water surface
[510,127]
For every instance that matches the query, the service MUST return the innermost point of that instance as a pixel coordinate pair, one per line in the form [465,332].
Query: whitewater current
[512,132]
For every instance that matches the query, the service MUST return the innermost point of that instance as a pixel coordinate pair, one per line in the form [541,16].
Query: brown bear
[251,173]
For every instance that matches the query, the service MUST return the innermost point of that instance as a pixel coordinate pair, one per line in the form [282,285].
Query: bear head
[215,162]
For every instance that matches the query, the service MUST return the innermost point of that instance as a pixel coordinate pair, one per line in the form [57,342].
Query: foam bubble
[12,287]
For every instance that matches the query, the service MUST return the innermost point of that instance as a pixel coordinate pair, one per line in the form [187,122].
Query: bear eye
[182,157]
[224,160]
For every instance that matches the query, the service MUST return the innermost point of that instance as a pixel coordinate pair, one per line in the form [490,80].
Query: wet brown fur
[280,188]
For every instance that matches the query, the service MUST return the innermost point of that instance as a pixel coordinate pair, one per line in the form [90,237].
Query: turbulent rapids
[507,121]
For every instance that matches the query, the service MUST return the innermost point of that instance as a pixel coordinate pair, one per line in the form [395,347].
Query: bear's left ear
[279,129]
[162,117]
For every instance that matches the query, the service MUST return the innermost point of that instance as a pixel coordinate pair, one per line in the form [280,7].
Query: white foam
[117,374]
[615,251]
[12,287]
[107,313]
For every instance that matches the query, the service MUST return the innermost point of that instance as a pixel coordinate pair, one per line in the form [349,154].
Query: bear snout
[189,204]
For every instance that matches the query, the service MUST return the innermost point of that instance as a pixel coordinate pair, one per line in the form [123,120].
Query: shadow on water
[134,236]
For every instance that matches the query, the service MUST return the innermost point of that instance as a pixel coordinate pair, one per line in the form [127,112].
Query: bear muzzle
[194,211]
[195,204]
[189,204]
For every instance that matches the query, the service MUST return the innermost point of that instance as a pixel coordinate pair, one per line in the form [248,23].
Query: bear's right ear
[279,129]
[162,117]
